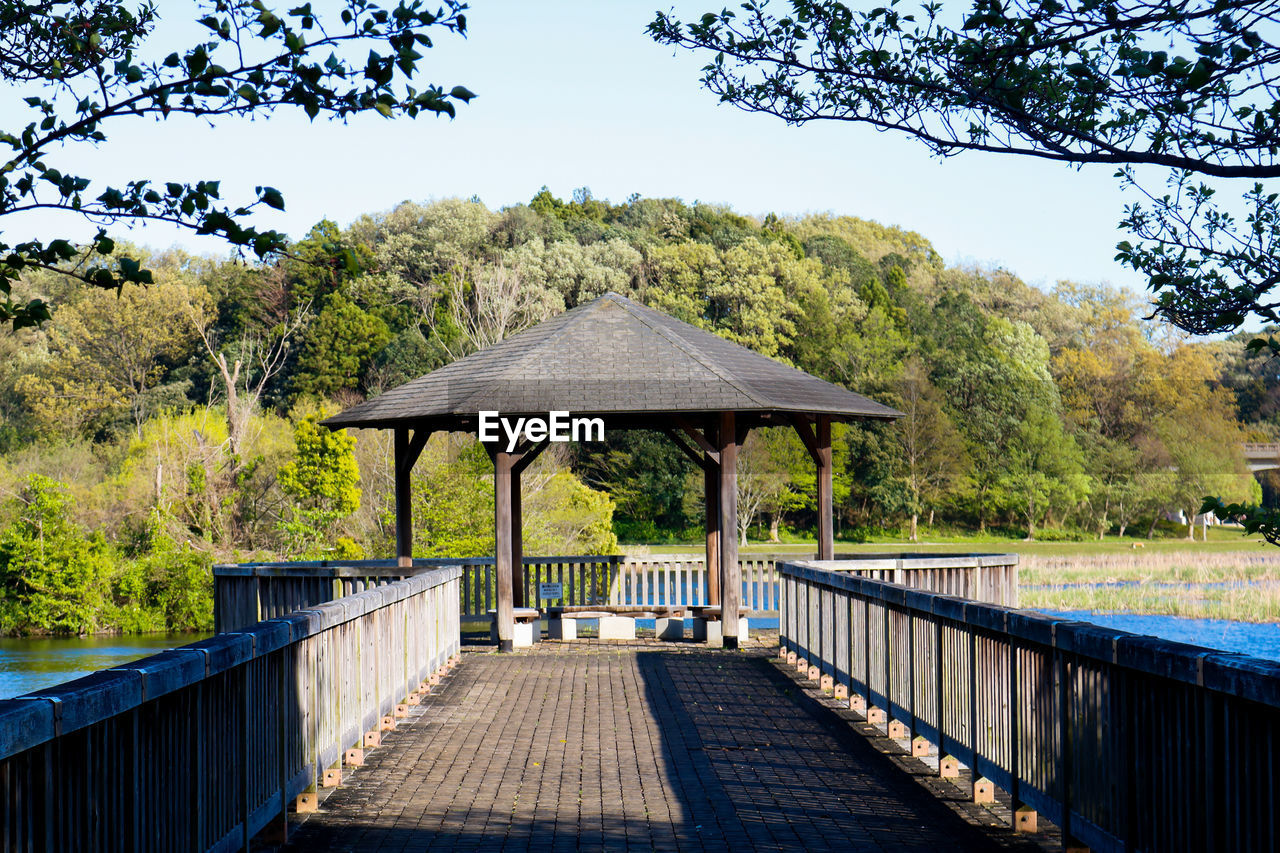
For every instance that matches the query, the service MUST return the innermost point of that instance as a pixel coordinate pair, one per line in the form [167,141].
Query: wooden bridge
[359,723]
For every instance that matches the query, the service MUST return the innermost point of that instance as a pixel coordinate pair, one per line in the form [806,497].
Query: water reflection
[30,663]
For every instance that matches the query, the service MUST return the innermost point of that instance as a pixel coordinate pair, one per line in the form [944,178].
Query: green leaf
[1200,73]
[271,197]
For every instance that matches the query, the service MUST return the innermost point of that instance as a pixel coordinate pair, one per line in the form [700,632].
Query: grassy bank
[1220,540]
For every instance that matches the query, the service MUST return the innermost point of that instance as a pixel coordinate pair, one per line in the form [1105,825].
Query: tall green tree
[52,573]
[933,457]
[110,353]
[322,482]
[1044,468]
[766,482]
[1197,425]
[337,348]
[747,293]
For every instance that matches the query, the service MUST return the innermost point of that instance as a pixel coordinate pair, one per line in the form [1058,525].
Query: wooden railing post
[972,734]
[939,690]
[246,758]
[1015,740]
[1062,673]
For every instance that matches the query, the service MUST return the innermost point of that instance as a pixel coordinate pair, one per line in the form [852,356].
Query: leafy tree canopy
[1191,87]
[83,66]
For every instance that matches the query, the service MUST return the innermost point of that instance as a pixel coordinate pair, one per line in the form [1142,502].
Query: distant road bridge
[1262,456]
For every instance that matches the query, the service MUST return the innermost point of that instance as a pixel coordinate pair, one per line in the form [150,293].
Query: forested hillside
[146,434]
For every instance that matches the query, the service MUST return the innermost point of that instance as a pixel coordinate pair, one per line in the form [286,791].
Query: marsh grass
[1155,566]
[1237,585]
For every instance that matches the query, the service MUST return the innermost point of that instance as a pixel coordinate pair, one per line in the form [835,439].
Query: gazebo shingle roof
[611,357]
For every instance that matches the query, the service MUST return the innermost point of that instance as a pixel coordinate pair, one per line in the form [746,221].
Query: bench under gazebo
[633,368]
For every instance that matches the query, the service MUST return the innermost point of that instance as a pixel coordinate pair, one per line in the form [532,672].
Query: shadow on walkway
[630,748]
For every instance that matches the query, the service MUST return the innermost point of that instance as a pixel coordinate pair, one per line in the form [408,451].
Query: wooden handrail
[1125,742]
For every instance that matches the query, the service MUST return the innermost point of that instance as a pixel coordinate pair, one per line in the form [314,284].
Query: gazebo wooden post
[826,530]
[711,488]
[707,457]
[517,540]
[503,541]
[408,447]
[730,573]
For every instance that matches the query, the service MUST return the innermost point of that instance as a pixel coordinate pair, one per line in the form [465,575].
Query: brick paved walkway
[591,746]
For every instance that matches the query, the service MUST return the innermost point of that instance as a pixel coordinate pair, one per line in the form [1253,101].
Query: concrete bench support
[562,627]
[711,631]
[614,627]
[528,628]
[669,628]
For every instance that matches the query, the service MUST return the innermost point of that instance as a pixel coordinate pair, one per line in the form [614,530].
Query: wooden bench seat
[617,622]
[638,610]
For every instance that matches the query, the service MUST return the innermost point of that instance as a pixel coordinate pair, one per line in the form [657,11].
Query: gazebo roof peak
[613,357]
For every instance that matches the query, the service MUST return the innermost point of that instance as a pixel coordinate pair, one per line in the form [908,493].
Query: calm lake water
[31,663]
[1260,639]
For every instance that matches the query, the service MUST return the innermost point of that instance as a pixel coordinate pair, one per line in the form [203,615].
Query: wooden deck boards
[639,746]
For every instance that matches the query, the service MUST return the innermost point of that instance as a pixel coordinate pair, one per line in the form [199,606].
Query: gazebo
[633,368]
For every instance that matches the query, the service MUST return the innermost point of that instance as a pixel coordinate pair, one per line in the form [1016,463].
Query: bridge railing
[1125,742]
[201,747]
[248,592]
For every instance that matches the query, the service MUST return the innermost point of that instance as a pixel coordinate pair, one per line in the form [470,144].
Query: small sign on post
[548,591]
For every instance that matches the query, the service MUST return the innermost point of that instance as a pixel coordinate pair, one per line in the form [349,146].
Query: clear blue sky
[575,94]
